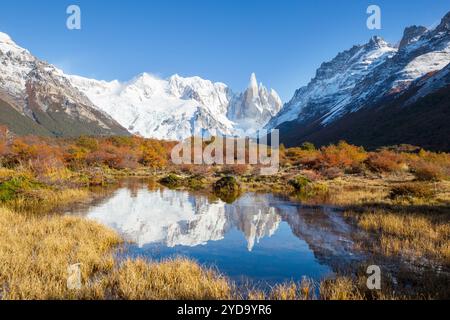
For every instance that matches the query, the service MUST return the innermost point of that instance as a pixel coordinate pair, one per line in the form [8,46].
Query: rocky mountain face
[177,107]
[37,98]
[409,119]
[163,109]
[254,108]
[412,34]
[363,81]
[332,87]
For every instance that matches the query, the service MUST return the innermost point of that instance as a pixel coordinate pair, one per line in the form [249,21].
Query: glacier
[180,107]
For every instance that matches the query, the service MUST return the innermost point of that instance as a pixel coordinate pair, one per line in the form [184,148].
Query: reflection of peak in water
[252,215]
[213,221]
[179,218]
[327,235]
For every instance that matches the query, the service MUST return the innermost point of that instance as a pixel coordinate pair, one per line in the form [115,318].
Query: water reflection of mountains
[179,218]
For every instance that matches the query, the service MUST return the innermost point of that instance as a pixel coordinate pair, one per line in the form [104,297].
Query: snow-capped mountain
[332,87]
[34,90]
[37,98]
[163,109]
[177,107]
[255,107]
[429,84]
[424,54]
[370,76]
[364,74]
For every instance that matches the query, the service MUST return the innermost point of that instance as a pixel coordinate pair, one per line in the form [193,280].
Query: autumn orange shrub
[39,154]
[299,156]
[342,155]
[430,166]
[117,152]
[154,154]
[311,175]
[75,156]
[409,190]
[42,155]
[3,140]
[113,157]
[428,171]
[385,161]
[3,148]
[331,173]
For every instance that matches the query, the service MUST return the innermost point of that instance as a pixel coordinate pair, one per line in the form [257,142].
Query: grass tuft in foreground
[414,236]
[35,252]
[168,280]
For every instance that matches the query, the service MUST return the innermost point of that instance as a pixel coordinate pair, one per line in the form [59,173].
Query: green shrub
[314,190]
[299,183]
[89,143]
[308,146]
[227,189]
[171,181]
[195,182]
[10,189]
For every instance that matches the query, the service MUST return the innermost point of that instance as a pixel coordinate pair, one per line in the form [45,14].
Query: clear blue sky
[283,41]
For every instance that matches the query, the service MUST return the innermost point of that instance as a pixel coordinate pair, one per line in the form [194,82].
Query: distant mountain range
[37,98]
[373,94]
[178,107]
[377,94]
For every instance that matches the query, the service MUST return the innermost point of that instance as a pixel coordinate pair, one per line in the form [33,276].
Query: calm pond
[260,239]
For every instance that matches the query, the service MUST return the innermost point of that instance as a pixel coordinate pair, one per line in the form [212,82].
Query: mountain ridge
[40,92]
[325,111]
[178,107]
[359,82]
[174,108]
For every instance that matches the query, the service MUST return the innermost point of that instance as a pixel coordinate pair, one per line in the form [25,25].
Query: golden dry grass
[305,290]
[6,173]
[409,235]
[356,190]
[341,288]
[178,279]
[35,253]
[44,200]
[355,288]
[32,196]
